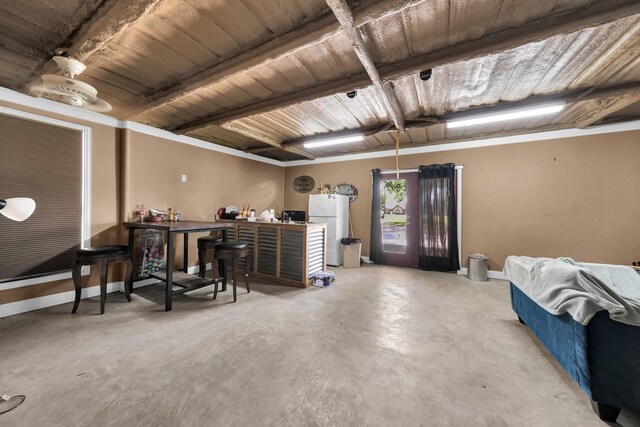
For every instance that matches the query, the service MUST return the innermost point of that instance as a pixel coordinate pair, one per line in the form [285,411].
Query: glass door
[399,216]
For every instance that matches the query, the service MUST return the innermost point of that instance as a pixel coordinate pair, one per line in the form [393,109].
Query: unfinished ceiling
[264,75]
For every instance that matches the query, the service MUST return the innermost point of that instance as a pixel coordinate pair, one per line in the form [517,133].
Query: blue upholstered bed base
[603,357]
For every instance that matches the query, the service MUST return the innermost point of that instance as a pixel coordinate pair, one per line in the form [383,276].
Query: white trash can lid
[478,256]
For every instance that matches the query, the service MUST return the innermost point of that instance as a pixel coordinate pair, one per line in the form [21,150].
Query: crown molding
[183,139]
[75,113]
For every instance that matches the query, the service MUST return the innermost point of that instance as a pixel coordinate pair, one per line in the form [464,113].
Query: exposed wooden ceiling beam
[605,107]
[300,152]
[310,34]
[563,22]
[271,141]
[612,99]
[383,90]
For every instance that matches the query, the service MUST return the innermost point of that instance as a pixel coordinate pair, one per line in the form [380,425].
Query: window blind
[44,162]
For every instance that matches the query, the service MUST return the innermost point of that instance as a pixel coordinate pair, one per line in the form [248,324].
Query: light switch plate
[184,178]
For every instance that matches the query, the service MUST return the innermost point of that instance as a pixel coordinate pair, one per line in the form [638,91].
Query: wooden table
[186,281]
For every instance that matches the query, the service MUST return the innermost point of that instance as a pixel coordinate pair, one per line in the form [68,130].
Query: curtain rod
[388,171]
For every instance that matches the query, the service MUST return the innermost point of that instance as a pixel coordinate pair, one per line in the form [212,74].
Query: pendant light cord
[397,154]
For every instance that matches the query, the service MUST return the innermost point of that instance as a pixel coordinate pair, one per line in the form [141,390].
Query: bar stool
[204,244]
[102,255]
[231,251]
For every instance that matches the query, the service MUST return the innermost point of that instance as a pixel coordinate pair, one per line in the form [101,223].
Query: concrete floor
[382,347]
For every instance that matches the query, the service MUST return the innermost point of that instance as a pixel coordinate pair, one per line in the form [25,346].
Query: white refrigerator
[333,210]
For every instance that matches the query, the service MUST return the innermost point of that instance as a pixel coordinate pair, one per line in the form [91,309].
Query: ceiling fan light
[332,141]
[64,88]
[513,114]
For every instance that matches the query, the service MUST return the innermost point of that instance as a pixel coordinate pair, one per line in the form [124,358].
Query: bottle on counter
[140,213]
[169,214]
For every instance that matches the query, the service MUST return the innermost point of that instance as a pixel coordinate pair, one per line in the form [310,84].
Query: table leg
[132,233]
[185,251]
[169,269]
[224,269]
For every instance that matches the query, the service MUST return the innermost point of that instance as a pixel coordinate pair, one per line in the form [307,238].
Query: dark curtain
[375,250]
[438,222]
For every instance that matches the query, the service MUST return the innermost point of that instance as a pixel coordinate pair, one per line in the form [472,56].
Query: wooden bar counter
[284,253]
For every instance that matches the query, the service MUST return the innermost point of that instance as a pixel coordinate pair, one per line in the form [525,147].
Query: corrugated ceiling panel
[396,37]
[181,38]
[328,114]
[280,77]
[545,67]
[470,20]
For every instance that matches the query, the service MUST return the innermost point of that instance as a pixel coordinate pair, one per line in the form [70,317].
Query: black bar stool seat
[97,252]
[231,245]
[204,244]
[232,251]
[102,255]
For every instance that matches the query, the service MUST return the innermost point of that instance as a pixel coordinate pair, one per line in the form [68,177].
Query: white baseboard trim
[55,299]
[32,304]
[492,274]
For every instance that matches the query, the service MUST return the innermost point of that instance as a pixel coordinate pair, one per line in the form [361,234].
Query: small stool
[232,251]
[103,255]
[204,244]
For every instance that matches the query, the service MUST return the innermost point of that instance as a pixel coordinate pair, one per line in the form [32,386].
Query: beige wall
[214,180]
[153,178]
[571,197]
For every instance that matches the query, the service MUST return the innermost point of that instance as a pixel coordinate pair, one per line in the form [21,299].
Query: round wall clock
[304,184]
[347,190]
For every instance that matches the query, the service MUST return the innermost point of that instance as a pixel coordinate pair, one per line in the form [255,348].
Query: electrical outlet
[184,178]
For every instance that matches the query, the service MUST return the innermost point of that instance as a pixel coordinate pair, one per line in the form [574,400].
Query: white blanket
[565,286]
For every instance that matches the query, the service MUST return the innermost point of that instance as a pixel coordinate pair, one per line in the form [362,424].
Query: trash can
[477,268]
[351,248]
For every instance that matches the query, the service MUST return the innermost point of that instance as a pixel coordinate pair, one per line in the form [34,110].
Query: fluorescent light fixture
[333,141]
[520,113]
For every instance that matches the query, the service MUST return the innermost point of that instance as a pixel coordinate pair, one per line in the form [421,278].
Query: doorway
[399,218]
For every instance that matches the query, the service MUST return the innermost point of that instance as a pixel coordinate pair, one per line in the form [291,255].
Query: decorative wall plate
[347,190]
[304,184]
